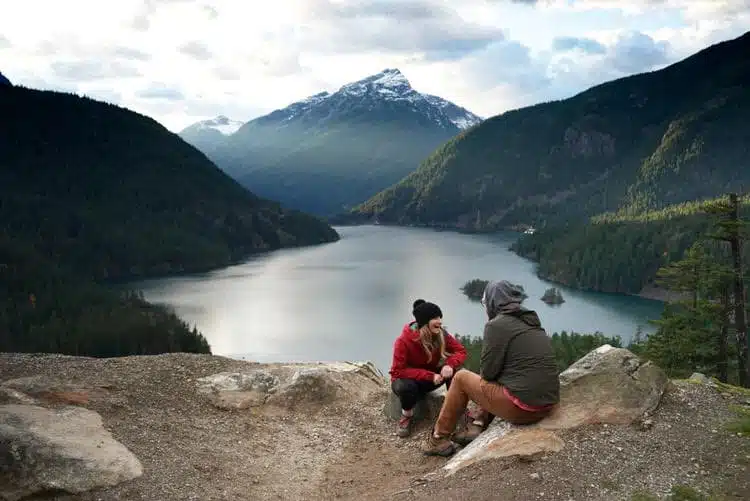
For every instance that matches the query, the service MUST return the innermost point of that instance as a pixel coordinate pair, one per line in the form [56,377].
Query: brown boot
[438,446]
[472,431]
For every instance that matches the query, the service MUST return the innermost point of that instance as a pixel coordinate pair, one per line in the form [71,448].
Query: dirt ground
[191,450]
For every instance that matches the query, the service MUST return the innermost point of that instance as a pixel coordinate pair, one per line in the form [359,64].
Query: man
[518,379]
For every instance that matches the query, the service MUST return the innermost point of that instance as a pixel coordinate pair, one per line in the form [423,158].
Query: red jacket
[410,359]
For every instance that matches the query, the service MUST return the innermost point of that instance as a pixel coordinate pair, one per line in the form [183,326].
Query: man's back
[518,354]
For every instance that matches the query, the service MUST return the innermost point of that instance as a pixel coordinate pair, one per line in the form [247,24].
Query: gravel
[191,450]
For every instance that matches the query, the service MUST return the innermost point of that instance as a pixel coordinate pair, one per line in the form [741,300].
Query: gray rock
[288,386]
[238,390]
[608,385]
[44,450]
[308,385]
[698,377]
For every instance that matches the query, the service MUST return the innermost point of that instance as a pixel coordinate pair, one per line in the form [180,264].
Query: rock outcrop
[52,450]
[291,386]
[608,385]
[317,431]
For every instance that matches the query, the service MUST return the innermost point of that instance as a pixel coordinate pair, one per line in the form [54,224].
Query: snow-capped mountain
[221,123]
[388,86]
[333,150]
[208,135]
[461,117]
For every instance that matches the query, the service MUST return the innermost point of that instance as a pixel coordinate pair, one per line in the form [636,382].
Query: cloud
[506,63]
[563,44]
[130,53]
[636,52]
[426,27]
[197,50]
[142,20]
[181,61]
[160,91]
[84,70]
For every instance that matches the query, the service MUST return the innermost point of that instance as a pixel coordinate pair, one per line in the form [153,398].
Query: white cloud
[184,60]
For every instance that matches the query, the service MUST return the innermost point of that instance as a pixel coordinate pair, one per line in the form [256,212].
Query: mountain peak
[222,124]
[388,81]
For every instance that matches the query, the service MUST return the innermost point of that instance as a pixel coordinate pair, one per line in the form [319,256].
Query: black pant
[411,391]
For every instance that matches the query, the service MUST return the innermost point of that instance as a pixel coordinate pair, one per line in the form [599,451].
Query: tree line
[703,327]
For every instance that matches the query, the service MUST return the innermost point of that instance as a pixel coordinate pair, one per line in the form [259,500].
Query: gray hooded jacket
[516,351]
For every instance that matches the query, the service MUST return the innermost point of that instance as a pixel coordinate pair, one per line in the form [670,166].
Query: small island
[474,289]
[553,296]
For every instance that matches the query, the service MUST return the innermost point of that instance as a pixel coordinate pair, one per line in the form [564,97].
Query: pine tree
[731,229]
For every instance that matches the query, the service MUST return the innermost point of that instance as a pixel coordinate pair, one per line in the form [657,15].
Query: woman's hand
[437,379]
[447,372]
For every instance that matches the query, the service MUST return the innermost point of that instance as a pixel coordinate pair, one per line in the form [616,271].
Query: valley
[330,151]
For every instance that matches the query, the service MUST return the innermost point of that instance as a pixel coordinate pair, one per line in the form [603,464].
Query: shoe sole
[444,453]
[463,442]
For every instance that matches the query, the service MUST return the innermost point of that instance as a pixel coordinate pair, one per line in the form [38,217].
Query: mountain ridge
[90,193]
[332,150]
[628,144]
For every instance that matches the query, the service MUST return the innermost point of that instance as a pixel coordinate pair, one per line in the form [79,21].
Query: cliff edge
[182,427]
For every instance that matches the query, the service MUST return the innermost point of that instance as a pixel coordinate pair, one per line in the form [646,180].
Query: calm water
[349,300]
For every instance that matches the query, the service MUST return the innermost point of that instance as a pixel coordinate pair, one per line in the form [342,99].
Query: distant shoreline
[650,292]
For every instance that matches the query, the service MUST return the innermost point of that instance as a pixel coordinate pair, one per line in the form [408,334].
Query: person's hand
[437,379]
[447,372]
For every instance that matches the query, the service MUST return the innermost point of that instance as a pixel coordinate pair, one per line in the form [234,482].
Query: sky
[181,61]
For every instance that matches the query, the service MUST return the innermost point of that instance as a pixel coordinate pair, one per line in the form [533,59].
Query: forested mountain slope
[636,143]
[90,191]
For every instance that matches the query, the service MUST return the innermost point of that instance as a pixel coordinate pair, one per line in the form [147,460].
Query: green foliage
[741,424]
[677,493]
[571,347]
[636,143]
[474,289]
[92,192]
[568,347]
[620,252]
[687,339]
[693,331]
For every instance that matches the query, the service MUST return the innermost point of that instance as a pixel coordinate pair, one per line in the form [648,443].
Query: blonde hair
[431,343]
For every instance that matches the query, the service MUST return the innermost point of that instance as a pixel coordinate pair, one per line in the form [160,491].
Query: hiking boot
[439,446]
[472,431]
[404,426]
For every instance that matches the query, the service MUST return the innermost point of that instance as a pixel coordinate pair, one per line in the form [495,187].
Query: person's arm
[400,369]
[457,351]
[494,349]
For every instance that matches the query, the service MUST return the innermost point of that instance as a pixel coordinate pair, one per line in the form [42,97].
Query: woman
[518,379]
[424,357]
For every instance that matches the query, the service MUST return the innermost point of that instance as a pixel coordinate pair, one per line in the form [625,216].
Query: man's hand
[447,372]
[437,379]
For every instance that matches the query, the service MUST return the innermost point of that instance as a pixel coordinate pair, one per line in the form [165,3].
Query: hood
[410,330]
[504,297]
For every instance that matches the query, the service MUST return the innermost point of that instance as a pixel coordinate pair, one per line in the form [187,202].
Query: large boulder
[46,450]
[293,385]
[608,385]
[238,390]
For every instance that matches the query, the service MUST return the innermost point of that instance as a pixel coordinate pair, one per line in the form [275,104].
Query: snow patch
[221,124]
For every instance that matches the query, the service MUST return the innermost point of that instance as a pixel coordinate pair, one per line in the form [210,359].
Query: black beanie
[425,312]
[417,303]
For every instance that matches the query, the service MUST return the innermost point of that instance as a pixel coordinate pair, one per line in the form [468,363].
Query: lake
[348,300]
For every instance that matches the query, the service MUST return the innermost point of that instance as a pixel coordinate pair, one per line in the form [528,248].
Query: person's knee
[462,375]
[402,387]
